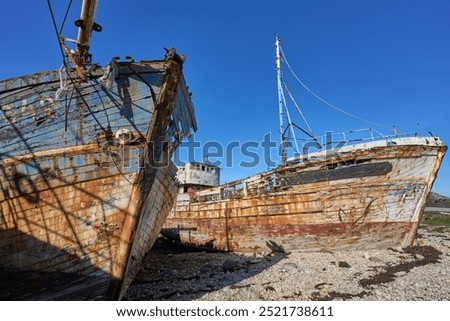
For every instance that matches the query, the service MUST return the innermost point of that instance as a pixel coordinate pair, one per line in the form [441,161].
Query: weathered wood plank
[368,197]
[65,195]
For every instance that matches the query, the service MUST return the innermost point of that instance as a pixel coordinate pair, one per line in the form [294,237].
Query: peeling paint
[371,196]
[77,198]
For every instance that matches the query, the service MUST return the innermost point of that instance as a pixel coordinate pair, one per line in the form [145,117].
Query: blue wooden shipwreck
[86,179]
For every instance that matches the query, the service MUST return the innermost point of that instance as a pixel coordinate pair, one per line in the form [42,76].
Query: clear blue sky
[387,61]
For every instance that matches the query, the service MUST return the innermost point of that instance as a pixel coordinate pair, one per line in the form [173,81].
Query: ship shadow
[32,269]
[33,282]
[175,272]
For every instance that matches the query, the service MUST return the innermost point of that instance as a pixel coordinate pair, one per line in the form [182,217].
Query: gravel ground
[421,272]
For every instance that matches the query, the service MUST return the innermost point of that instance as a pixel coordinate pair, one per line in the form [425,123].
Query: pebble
[289,266]
[229,265]
[228,277]
[169,272]
[208,267]
[219,276]
[375,259]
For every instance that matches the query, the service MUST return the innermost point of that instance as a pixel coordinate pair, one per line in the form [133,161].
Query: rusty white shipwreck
[353,194]
[85,176]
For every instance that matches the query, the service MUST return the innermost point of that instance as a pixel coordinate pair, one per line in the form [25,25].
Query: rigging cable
[50,8]
[65,17]
[68,70]
[326,102]
[298,108]
[64,61]
[58,34]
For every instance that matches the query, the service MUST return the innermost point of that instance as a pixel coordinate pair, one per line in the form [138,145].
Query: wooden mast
[86,25]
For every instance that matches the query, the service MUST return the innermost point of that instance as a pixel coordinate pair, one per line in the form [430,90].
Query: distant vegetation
[439,223]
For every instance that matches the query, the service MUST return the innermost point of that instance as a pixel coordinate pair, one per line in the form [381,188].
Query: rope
[326,102]
[110,75]
[62,82]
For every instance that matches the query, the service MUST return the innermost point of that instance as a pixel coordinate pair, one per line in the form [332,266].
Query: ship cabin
[196,176]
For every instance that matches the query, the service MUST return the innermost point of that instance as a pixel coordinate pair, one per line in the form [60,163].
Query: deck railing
[332,140]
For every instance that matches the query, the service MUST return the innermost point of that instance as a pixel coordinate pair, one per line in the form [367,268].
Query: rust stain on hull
[80,200]
[369,196]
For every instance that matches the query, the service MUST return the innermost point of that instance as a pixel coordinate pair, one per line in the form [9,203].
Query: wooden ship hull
[364,196]
[85,176]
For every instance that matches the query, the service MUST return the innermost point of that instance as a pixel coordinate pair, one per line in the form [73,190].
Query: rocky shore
[421,272]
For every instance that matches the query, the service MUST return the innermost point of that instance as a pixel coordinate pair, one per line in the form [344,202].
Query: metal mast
[286,130]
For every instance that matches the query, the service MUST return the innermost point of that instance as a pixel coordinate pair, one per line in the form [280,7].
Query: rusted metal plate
[368,196]
[78,197]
